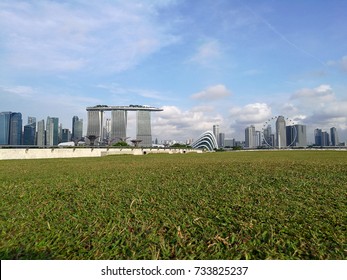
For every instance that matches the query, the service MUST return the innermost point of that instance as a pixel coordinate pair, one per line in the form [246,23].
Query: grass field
[231,205]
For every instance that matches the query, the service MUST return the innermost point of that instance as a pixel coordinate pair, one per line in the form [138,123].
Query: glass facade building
[5,118]
[52,131]
[10,128]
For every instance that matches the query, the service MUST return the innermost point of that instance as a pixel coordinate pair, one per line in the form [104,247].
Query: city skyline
[225,62]
[13,131]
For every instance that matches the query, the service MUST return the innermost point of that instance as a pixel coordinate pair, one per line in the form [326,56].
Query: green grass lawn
[231,205]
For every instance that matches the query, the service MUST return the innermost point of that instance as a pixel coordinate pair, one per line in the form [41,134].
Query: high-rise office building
[268,136]
[325,139]
[77,128]
[321,138]
[74,120]
[290,135]
[52,131]
[257,138]
[29,135]
[119,125]
[334,137]
[318,137]
[296,135]
[216,131]
[41,133]
[281,135]
[250,137]
[5,119]
[221,139]
[10,128]
[65,135]
[301,137]
[16,129]
[31,120]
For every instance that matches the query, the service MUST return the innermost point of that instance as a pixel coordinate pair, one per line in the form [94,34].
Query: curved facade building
[207,141]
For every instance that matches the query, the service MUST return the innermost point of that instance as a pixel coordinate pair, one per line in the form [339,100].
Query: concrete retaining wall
[6,154]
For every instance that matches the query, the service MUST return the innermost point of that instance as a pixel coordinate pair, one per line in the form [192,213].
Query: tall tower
[95,124]
[52,131]
[143,130]
[334,137]
[221,140]
[119,125]
[74,121]
[216,130]
[301,137]
[5,118]
[325,138]
[16,129]
[29,135]
[281,135]
[41,133]
[268,136]
[78,130]
[250,137]
[318,137]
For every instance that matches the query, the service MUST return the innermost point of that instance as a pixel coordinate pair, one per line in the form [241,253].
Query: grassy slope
[241,205]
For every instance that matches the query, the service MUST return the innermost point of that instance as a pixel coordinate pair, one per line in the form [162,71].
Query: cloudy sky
[227,62]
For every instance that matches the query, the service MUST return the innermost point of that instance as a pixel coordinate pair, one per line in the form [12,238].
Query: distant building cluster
[282,136]
[288,136]
[48,133]
[35,133]
[322,138]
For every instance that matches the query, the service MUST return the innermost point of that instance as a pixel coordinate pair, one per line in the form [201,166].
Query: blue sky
[228,62]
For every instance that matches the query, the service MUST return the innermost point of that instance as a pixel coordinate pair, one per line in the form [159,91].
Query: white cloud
[212,93]
[65,36]
[207,53]
[118,90]
[255,113]
[323,91]
[342,63]
[181,125]
[22,91]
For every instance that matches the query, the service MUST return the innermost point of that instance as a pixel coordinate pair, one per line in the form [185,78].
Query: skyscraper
[29,134]
[334,137]
[268,136]
[65,135]
[250,137]
[16,129]
[301,137]
[281,135]
[95,124]
[216,131]
[74,120]
[77,128]
[318,137]
[221,140]
[52,131]
[5,118]
[296,135]
[325,139]
[41,133]
[143,128]
[119,125]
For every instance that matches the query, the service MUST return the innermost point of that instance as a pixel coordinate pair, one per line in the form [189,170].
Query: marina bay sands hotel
[119,122]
